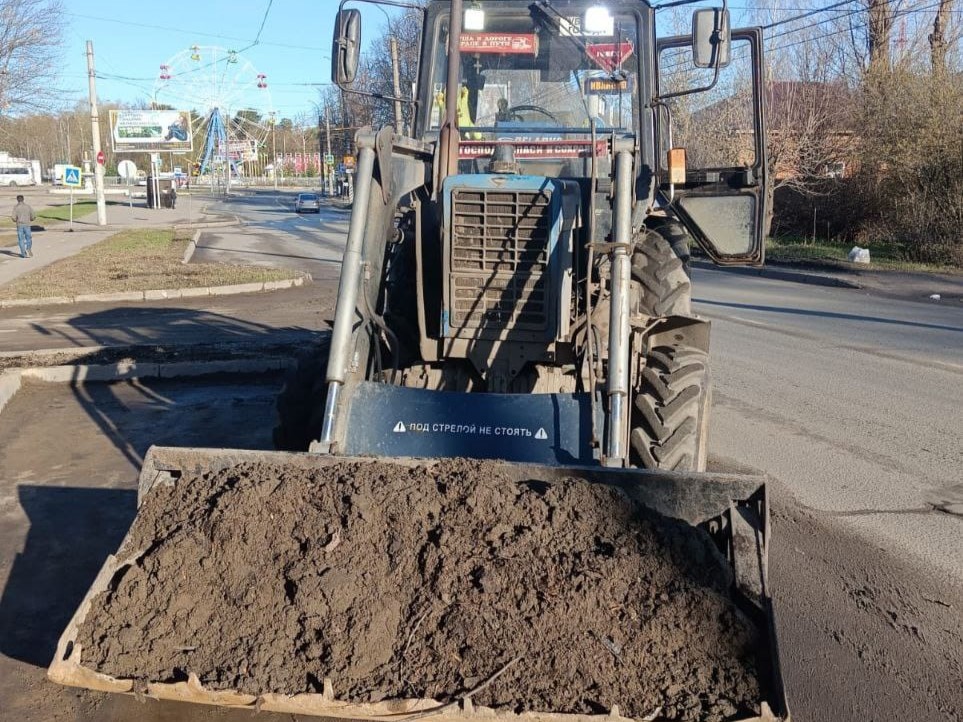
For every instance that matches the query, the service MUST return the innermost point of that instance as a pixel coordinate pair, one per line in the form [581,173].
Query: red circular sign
[100,157]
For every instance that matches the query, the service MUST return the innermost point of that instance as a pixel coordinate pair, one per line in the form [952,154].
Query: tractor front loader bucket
[731,508]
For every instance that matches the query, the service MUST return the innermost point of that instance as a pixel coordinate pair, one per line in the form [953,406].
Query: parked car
[307,202]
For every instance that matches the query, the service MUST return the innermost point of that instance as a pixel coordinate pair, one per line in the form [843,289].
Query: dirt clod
[425,582]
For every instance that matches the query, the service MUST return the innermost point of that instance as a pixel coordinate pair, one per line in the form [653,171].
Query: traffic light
[196,169]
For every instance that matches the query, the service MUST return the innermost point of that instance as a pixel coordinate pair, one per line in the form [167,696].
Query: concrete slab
[70,457]
[92,372]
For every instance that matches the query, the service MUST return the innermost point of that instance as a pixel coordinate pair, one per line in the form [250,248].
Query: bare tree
[880,30]
[305,135]
[30,46]
[349,111]
[811,141]
[405,30]
[938,40]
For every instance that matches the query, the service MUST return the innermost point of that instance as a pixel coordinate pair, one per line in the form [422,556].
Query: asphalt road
[853,401]
[272,234]
[852,404]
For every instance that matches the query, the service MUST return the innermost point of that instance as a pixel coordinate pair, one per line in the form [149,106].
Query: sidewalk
[56,241]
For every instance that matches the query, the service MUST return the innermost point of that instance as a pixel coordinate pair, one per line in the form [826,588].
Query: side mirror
[710,38]
[346,47]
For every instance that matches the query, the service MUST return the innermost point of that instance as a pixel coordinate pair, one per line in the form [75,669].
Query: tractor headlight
[474,19]
[598,21]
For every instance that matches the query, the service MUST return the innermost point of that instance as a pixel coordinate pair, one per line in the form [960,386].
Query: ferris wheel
[229,94]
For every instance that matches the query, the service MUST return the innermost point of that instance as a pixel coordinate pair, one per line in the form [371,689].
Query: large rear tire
[300,404]
[670,411]
[677,237]
[661,287]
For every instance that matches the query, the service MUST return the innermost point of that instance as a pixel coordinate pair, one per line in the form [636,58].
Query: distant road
[273,234]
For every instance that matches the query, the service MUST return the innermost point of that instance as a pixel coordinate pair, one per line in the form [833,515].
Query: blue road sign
[72,176]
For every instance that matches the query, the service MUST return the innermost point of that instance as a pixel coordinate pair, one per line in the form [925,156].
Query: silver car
[307,202]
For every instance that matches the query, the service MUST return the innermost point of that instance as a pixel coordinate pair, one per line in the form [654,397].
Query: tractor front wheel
[670,413]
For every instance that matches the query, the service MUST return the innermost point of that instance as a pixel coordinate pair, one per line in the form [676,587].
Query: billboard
[243,150]
[149,131]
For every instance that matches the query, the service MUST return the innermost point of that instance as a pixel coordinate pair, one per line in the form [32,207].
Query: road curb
[293,342]
[163,293]
[9,385]
[191,247]
[779,274]
[207,224]
[11,380]
[127,370]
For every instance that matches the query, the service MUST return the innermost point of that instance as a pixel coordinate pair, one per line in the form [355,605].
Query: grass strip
[62,213]
[883,256]
[137,259]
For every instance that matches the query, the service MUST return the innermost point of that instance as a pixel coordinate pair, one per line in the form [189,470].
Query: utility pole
[227,159]
[327,125]
[95,131]
[395,71]
[324,166]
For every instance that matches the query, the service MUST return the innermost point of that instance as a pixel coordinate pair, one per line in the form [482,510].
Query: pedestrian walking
[23,216]
[174,195]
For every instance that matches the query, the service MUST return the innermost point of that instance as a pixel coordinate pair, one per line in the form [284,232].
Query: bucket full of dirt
[372,590]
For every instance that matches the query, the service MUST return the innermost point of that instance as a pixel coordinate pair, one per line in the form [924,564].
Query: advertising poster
[149,131]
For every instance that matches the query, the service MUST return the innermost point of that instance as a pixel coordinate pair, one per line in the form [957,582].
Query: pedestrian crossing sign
[72,176]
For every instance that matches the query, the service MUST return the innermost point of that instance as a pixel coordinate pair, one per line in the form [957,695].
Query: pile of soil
[424,582]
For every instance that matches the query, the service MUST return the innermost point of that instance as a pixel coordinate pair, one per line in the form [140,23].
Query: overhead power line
[805,15]
[195,33]
[263,20]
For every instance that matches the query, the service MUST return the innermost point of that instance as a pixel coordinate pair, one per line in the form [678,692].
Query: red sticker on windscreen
[533,149]
[503,43]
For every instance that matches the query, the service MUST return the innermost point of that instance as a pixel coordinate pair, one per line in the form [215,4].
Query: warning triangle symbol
[540,434]
[400,428]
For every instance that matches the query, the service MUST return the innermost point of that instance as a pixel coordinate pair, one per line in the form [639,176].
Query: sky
[132,39]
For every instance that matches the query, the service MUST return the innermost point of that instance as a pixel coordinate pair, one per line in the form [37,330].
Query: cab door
[720,123]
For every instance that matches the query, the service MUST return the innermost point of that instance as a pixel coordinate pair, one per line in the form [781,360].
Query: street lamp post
[274,148]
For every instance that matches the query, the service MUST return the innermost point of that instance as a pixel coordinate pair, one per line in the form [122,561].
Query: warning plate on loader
[389,420]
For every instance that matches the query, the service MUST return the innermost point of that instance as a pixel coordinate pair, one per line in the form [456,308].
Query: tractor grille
[500,246]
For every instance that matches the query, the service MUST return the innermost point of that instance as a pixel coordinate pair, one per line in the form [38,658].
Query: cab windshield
[541,81]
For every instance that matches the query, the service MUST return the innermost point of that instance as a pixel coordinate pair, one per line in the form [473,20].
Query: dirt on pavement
[864,635]
[424,582]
